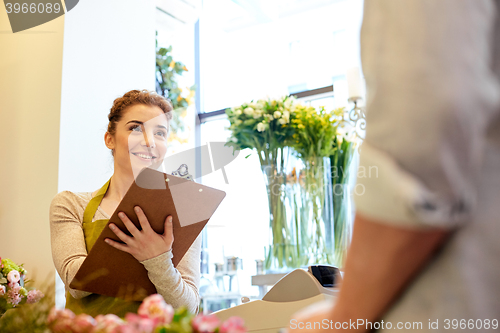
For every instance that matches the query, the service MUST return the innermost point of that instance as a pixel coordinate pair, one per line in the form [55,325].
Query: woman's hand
[146,243]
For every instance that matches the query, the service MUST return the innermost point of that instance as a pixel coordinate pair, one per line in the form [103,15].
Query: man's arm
[381,262]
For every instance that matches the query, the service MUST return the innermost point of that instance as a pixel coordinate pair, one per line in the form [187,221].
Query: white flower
[341,131]
[288,103]
[257,113]
[286,114]
[13,276]
[282,121]
[261,127]
[248,111]
[238,112]
[277,114]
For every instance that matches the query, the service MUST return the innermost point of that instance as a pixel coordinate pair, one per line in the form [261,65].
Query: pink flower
[2,290]
[109,323]
[205,324]
[34,296]
[14,285]
[13,276]
[13,298]
[124,328]
[233,325]
[154,307]
[60,320]
[82,323]
[140,324]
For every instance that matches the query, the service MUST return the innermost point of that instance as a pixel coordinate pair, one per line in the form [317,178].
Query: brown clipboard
[111,272]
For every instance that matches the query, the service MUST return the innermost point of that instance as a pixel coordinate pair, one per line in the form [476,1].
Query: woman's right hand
[143,244]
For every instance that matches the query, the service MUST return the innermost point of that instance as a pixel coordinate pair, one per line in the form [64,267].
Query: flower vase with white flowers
[265,125]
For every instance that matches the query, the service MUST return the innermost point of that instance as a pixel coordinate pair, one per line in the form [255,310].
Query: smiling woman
[137,137]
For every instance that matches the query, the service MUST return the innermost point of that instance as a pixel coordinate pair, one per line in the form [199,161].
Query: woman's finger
[143,220]
[123,236]
[117,245]
[129,225]
[168,234]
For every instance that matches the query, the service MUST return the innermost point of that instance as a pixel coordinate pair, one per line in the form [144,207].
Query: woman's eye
[161,133]
[136,128]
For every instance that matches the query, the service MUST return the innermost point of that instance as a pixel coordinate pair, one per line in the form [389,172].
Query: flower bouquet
[12,287]
[313,142]
[265,125]
[154,316]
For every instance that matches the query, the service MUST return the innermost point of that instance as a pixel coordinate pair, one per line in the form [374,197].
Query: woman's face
[140,139]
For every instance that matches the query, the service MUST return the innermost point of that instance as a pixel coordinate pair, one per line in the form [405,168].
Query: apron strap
[94,203]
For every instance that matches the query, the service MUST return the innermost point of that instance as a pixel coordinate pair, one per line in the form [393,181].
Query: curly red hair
[134,97]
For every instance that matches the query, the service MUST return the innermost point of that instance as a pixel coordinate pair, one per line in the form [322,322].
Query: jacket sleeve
[431,94]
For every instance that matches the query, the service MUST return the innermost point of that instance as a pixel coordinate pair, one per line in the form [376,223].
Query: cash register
[295,291]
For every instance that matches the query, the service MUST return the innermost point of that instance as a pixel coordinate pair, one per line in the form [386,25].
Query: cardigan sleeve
[178,286]
[67,238]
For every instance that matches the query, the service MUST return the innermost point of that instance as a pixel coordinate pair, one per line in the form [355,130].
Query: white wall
[109,49]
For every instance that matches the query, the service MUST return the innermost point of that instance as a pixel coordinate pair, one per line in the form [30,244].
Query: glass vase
[343,216]
[341,163]
[314,212]
[281,253]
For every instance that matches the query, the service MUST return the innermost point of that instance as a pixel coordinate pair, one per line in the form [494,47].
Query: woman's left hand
[143,244]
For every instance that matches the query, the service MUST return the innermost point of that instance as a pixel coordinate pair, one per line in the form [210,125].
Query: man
[425,248]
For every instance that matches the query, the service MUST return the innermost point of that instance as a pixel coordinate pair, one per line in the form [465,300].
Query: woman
[137,137]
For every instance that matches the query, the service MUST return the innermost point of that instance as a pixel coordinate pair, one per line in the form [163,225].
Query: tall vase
[314,212]
[342,199]
[343,221]
[281,254]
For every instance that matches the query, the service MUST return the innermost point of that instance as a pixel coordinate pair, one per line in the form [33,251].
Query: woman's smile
[144,156]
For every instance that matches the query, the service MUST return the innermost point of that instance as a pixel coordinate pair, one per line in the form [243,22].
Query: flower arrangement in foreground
[154,316]
[12,290]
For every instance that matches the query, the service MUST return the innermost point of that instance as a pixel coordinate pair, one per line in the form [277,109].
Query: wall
[55,93]
[109,49]
[30,101]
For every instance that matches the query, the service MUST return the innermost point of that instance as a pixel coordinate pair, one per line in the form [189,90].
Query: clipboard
[111,272]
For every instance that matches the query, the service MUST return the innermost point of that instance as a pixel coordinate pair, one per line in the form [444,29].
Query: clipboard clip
[183,172]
